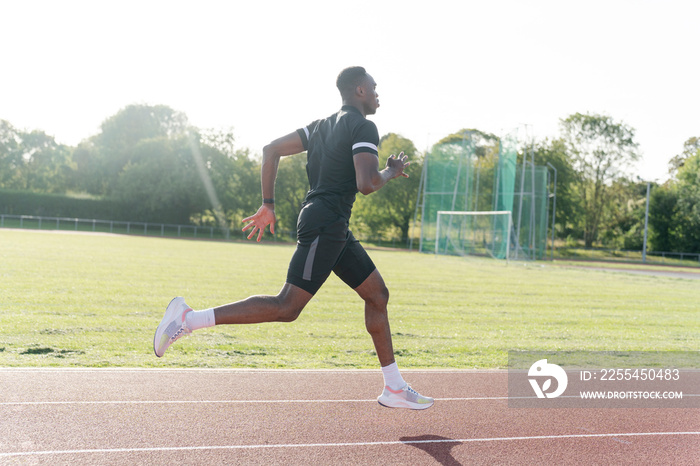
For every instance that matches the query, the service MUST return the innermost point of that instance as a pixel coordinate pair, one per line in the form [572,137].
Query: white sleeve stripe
[306,131]
[365,144]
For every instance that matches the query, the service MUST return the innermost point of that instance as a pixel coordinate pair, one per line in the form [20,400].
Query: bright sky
[265,68]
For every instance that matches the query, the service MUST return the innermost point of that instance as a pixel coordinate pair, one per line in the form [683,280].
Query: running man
[342,159]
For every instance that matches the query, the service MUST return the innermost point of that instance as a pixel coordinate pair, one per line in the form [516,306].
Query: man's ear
[360,91]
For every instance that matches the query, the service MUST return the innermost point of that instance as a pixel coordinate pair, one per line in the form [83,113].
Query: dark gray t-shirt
[331,144]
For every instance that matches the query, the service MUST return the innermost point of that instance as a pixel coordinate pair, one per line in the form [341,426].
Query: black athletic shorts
[325,244]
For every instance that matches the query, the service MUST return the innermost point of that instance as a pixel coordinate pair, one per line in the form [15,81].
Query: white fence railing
[130,228]
[662,257]
[210,232]
[110,226]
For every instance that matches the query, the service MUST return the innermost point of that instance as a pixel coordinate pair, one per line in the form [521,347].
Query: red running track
[159,416]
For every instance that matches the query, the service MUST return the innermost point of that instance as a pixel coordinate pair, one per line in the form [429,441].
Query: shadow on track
[436,446]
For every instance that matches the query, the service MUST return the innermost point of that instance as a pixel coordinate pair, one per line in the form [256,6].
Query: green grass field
[72,299]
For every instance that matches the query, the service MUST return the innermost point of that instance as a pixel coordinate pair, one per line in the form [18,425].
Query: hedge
[56,205]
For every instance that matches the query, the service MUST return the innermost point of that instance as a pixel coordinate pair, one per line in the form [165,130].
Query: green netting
[450,179]
[505,176]
[530,212]
[473,233]
[461,176]
[504,195]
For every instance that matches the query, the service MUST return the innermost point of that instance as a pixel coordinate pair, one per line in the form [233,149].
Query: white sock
[392,377]
[200,319]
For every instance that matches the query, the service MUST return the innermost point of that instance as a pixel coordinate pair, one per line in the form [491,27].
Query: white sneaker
[404,398]
[172,327]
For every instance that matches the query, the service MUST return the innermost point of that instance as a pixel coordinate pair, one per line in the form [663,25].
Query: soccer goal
[485,233]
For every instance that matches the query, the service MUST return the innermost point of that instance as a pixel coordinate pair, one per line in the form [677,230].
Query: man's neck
[356,106]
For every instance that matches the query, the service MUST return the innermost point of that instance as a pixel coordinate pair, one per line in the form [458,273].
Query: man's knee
[289,313]
[382,296]
[379,297]
[290,302]
[373,291]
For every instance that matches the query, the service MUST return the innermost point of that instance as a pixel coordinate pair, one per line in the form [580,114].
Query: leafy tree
[674,208]
[234,174]
[48,167]
[102,158]
[161,182]
[89,175]
[134,123]
[486,145]
[662,207]
[11,160]
[685,233]
[568,208]
[690,148]
[601,151]
[151,158]
[33,161]
[622,225]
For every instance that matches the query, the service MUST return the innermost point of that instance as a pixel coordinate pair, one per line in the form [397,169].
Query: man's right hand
[369,179]
[397,165]
[263,217]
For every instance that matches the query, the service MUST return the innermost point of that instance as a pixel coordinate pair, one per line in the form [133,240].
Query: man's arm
[281,147]
[286,145]
[369,178]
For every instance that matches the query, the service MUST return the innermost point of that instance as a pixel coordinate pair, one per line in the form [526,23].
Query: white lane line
[343,444]
[156,402]
[165,402]
[136,402]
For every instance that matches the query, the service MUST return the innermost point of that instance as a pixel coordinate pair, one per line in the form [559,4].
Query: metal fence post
[646,224]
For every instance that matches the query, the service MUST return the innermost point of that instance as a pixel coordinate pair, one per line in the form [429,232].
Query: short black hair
[349,79]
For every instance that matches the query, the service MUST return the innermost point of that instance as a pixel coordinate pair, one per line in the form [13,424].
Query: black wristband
[269,200]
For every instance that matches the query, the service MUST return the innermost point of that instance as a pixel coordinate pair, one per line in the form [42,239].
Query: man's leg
[376,297]
[285,307]
[397,393]
[180,319]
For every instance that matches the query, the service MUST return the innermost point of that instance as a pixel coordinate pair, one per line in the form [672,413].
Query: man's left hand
[263,217]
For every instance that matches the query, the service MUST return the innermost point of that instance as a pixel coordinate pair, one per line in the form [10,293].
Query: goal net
[484,233]
[481,173]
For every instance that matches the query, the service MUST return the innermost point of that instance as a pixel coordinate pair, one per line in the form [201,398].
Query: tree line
[163,169]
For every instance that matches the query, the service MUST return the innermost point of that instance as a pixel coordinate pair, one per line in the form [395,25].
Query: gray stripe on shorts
[308,267]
